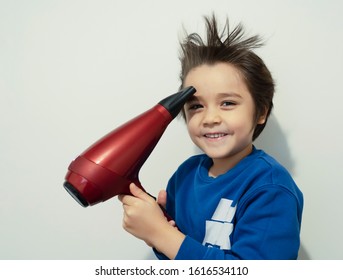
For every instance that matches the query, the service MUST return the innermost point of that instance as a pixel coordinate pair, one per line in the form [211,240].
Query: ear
[262,119]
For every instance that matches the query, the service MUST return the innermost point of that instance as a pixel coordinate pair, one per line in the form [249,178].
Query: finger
[162,198]
[139,193]
[127,199]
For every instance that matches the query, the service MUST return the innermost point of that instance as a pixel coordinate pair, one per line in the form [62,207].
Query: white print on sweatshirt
[219,228]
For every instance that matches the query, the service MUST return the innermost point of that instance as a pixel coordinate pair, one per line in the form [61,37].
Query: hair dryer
[107,167]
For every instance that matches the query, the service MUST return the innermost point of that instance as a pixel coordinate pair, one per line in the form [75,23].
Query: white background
[71,71]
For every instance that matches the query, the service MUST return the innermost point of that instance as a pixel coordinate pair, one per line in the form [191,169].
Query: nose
[211,117]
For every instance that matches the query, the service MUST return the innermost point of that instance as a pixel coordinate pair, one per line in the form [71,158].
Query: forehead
[219,78]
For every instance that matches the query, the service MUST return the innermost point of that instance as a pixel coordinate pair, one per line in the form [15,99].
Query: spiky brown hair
[234,48]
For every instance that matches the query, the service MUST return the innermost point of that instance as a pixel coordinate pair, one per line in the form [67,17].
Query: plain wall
[71,71]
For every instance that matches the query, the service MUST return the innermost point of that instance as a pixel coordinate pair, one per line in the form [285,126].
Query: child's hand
[143,217]
[162,200]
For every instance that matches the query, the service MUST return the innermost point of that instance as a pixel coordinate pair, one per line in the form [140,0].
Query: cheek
[243,122]
[192,125]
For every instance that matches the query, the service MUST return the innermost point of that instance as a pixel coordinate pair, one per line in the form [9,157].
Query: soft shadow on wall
[273,140]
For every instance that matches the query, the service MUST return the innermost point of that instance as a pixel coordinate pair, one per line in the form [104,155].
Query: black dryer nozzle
[175,102]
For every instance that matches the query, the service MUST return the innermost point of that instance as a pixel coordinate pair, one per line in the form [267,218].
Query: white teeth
[214,135]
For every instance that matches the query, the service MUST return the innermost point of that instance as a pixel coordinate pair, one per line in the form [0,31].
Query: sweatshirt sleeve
[267,226]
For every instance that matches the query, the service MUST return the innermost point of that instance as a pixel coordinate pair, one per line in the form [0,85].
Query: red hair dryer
[107,168]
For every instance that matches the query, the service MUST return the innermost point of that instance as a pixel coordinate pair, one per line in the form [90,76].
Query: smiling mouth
[215,135]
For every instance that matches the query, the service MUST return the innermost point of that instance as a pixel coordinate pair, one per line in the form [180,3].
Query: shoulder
[268,168]
[270,176]
[189,168]
[193,162]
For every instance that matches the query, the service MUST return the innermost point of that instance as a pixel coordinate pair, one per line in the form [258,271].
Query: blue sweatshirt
[251,212]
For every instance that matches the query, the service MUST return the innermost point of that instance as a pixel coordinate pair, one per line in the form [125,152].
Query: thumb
[138,192]
[162,198]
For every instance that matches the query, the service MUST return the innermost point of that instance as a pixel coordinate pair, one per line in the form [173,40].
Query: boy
[233,201]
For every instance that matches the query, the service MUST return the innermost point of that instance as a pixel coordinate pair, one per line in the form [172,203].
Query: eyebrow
[194,98]
[229,94]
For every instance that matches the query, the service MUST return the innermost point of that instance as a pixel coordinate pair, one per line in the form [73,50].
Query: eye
[194,106]
[228,104]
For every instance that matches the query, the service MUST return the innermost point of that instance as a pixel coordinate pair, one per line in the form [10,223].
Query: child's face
[220,116]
